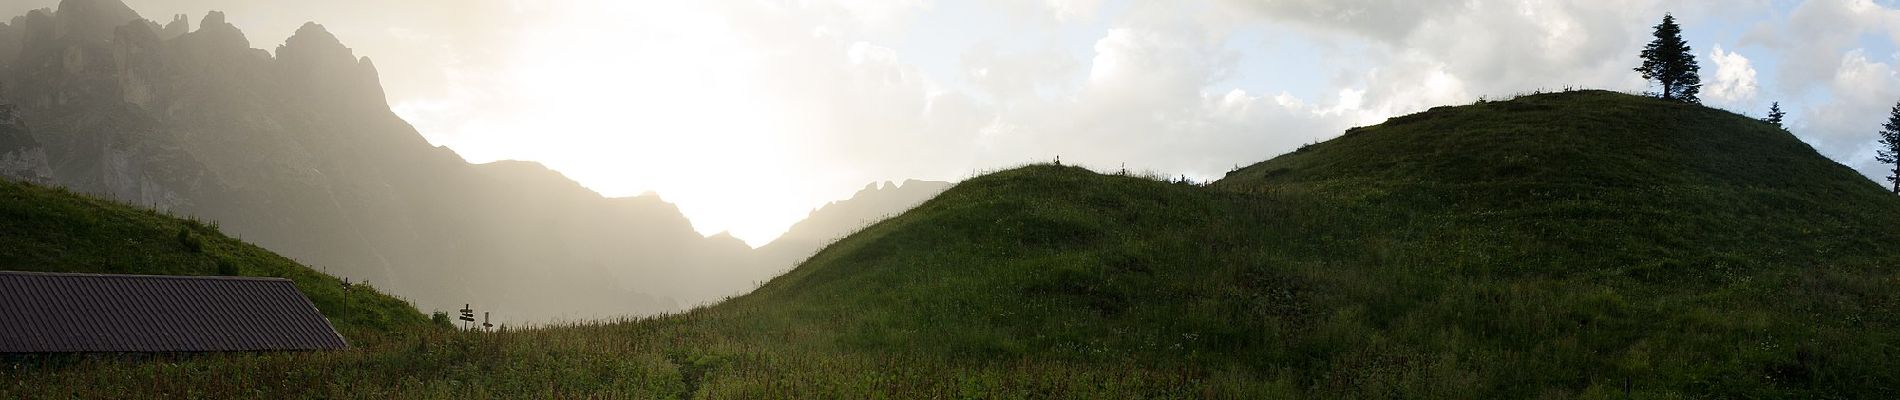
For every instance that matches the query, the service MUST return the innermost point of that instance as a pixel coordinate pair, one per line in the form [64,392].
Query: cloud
[1414,55]
[1148,102]
[1073,10]
[1013,76]
[1153,70]
[1843,125]
[1382,20]
[1814,35]
[1734,78]
[1405,83]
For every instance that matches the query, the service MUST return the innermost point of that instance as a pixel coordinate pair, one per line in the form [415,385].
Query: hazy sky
[749,113]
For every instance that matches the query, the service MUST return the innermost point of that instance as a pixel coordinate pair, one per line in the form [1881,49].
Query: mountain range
[297,150]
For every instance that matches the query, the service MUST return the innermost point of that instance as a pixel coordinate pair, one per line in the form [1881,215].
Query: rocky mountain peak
[35,27]
[212,19]
[136,34]
[315,62]
[91,19]
[180,25]
[213,32]
[313,45]
[9,42]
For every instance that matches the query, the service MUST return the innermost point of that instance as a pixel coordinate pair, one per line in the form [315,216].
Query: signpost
[346,294]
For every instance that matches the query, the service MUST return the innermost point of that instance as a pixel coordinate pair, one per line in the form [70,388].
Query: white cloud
[1389,21]
[1734,78]
[1148,102]
[1415,55]
[1073,10]
[882,16]
[1842,126]
[1154,68]
[1861,79]
[1011,76]
[1406,83]
[1814,35]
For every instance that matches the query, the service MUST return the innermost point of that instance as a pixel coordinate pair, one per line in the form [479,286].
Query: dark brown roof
[53,312]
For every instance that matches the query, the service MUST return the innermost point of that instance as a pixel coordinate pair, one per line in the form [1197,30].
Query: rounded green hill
[1578,242]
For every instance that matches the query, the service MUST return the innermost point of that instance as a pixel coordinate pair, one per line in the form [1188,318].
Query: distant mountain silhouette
[841,218]
[299,152]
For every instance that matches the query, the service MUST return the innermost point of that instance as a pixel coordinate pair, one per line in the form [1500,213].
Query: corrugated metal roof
[57,312]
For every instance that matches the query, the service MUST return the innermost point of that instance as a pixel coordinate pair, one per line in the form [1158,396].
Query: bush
[226,267]
[191,242]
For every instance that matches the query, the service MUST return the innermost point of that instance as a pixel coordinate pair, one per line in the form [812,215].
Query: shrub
[191,242]
[226,267]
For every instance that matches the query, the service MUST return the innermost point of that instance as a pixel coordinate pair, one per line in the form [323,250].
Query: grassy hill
[49,229]
[1571,245]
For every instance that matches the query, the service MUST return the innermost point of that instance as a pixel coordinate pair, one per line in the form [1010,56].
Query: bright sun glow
[628,102]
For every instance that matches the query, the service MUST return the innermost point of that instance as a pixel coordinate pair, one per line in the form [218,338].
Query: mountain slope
[21,157]
[297,150]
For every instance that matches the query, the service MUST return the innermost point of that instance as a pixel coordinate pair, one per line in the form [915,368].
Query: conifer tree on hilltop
[1889,151]
[1670,62]
[1775,115]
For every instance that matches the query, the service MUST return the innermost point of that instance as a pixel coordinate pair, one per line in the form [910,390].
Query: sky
[749,113]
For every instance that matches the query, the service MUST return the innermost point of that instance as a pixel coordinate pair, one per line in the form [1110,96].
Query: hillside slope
[1599,180]
[21,157]
[1561,243]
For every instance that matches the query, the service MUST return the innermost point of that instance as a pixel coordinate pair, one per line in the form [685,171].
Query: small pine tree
[1775,115]
[1670,62]
[1889,151]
